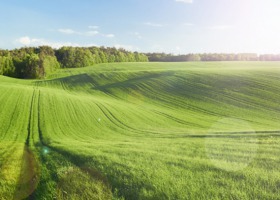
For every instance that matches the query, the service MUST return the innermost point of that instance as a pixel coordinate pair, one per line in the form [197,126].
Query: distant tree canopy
[37,62]
[162,57]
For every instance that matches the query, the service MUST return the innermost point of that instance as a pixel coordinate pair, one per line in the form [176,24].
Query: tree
[7,67]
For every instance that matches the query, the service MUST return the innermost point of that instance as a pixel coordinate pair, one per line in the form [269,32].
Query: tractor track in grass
[235,99]
[35,163]
[28,178]
[180,121]
[30,119]
[172,102]
[114,120]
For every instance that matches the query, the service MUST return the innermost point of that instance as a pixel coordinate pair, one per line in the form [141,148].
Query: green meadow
[143,131]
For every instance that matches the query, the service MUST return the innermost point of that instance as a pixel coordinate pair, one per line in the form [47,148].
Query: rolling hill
[143,131]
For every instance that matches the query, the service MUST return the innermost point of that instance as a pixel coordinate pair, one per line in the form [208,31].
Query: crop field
[143,131]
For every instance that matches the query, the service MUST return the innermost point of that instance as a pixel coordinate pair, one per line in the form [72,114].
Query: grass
[143,131]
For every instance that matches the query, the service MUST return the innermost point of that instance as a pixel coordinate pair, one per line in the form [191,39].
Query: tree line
[163,57]
[37,62]
[74,57]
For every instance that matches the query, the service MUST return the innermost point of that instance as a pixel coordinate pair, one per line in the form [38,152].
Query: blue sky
[172,26]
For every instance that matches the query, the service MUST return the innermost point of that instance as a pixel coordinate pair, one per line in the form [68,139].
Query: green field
[143,131]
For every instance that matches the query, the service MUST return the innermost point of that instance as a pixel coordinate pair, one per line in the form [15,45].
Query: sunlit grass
[147,131]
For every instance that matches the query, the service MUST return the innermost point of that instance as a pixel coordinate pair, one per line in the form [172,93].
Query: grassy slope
[140,130]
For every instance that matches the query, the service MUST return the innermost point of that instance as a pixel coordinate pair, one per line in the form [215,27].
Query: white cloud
[86,33]
[67,31]
[154,24]
[93,27]
[184,1]
[109,35]
[24,40]
[90,33]
[27,41]
[73,32]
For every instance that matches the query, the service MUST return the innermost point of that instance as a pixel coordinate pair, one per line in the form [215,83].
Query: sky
[170,26]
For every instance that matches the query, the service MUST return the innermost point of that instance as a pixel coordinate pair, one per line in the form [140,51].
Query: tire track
[27,142]
[180,121]
[114,120]
[55,159]
[29,175]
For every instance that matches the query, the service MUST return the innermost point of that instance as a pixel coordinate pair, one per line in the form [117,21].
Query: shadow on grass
[61,178]
[69,81]
[132,81]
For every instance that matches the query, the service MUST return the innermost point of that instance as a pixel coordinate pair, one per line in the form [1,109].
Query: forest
[37,62]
